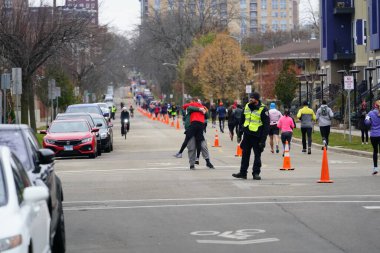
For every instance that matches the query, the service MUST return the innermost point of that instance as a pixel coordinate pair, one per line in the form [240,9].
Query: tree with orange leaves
[222,70]
[269,76]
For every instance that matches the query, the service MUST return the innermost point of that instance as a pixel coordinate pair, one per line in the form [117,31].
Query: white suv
[24,214]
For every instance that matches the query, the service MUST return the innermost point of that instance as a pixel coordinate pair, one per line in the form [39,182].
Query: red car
[71,138]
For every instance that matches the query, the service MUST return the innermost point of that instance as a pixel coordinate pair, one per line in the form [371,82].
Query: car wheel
[99,150]
[108,147]
[59,241]
[111,145]
[95,154]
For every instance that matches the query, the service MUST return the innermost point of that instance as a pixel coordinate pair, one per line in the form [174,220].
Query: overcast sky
[124,15]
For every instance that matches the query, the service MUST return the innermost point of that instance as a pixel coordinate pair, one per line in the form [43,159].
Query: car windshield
[3,193]
[71,116]
[69,127]
[13,139]
[102,121]
[88,109]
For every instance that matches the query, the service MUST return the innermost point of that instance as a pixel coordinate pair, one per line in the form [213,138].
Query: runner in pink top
[286,125]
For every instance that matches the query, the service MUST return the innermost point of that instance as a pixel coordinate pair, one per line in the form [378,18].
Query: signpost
[17,88]
[248,90]
[5,85]
[348,86]
[57,95]
[51,94]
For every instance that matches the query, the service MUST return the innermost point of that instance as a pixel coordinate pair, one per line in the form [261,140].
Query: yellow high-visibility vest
[253,118]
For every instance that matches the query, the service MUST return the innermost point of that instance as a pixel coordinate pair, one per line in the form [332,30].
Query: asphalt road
[140,199]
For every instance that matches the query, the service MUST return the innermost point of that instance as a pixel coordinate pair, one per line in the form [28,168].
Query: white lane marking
[239,242]
[219,198]
[88,208]
[341,162]
[372,207]
[137,169]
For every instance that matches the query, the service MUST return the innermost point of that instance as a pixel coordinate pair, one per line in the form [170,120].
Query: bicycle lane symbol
[238,237]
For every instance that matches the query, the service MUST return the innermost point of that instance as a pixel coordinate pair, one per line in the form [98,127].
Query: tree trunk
[24,101]
[32,111]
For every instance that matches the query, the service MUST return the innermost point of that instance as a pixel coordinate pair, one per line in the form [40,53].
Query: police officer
[255,129]
[113,112]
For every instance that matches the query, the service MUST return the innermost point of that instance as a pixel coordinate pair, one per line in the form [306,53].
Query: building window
[274,4]
[264,14]
[275,14]
[282,4]
[275,25]
[264,4]
[283,25]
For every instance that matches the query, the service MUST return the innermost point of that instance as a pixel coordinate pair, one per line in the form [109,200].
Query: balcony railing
[342,7]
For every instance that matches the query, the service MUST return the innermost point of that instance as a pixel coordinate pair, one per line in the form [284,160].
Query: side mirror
[110,124]
[95,130]
[43,131]
[33,194]
[99,125]
[46,156]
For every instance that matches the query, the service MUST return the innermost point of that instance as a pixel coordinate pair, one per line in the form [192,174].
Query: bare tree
[165,35]
[29,36]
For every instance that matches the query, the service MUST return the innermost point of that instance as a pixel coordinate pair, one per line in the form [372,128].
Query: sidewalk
[337,149]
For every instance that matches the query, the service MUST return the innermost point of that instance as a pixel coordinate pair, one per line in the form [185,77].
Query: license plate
[68,148]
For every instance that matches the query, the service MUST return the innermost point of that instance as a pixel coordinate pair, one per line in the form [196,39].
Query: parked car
[88,108]
[73,137]
[106,111]
[23,208]
[89,118]
[105,132]
[39,165]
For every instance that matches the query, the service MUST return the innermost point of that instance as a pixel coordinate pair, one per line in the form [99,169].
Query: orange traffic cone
[172,124]
[239,151]
[286,165]
[325,176]
[216,140]
[177,126]
[167,120]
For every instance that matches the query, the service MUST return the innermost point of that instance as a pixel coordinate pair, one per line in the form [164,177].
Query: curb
[338,150]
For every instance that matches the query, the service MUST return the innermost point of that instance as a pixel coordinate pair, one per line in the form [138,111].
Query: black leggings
[375,141]
[305,131]
[364,132]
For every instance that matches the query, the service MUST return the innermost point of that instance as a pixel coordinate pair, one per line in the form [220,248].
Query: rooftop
[295,50]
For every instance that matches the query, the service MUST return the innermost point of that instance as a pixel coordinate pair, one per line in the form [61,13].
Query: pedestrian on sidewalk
[307,116]
[255,122]
[221,111]
[286,125]
[361,124]
[274,116]
[324,116]
[373,121]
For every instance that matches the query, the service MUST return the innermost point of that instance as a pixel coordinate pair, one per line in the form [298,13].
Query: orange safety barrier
[286,165]
[239,151]
[216,140]
[325,175]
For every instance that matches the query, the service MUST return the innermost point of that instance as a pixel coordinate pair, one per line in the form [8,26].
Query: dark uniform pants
[250,142]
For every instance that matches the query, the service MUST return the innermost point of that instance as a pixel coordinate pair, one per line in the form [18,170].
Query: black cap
[305,103]
[255,95]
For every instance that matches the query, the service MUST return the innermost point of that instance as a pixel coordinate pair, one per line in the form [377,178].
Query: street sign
[17,81]
[58,91]
[5,81]
[51,88]
[76,91]
[248,89]
[171,95]
[348,82]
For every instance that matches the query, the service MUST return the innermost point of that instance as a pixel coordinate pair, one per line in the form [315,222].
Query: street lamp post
[343,72]
[370,69]
[322,75]
[183,85]
[354,72]
[299,90]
